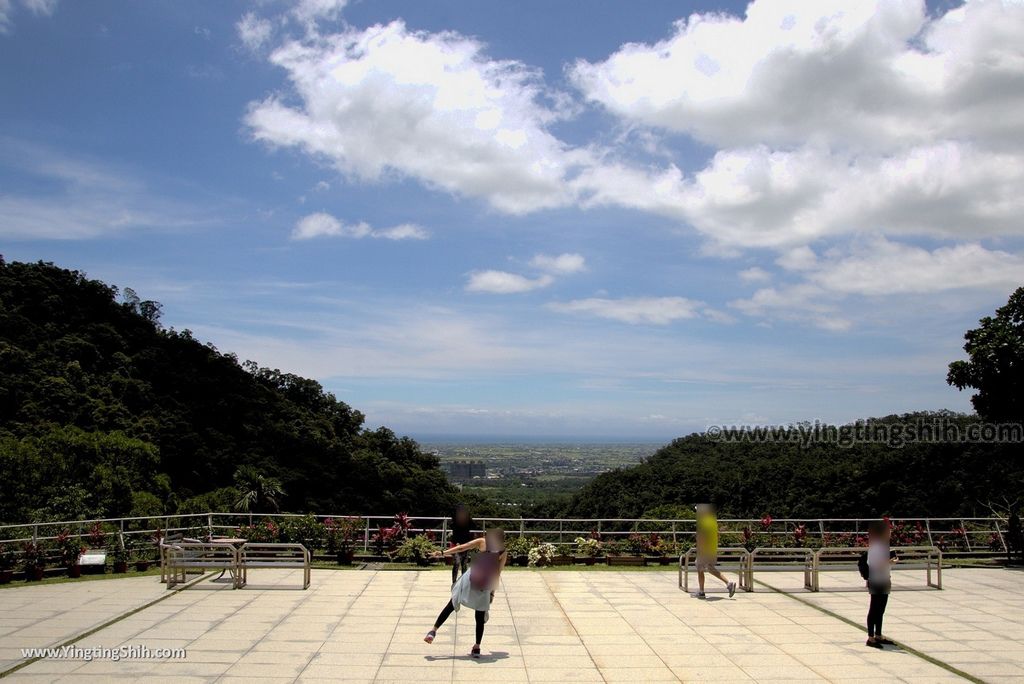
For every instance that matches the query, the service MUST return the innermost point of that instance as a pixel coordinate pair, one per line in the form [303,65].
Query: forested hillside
[103,412]
[819,480]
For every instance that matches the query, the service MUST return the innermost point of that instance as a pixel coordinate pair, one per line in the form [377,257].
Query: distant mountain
[105,412]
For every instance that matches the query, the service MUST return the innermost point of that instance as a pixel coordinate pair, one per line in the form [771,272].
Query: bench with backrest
[185,556]
[167,542]
[254,555]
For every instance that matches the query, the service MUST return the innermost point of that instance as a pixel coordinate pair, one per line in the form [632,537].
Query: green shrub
[419,550]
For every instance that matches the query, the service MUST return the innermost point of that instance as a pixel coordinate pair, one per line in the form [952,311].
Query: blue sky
[536,218]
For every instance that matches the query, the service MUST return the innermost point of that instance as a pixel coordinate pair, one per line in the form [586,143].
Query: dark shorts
[879,588]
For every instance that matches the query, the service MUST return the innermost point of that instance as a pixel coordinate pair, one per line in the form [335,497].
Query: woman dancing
[475,589]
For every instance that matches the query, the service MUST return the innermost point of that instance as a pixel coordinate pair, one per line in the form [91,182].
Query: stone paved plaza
[545,626]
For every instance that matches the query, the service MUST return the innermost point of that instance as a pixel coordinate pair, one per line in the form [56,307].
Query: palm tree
[256,490]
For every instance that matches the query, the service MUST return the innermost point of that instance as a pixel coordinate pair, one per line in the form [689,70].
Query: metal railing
[966,535]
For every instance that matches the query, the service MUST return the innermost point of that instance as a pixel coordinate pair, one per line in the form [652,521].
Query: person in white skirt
[475,589]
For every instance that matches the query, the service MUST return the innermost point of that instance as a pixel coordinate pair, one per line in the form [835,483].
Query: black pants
[875,612]
[481,616]
[459,560]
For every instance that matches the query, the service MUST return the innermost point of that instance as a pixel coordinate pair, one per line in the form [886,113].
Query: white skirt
[463,594]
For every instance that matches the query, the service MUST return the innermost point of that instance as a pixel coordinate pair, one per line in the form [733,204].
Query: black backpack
[862,565]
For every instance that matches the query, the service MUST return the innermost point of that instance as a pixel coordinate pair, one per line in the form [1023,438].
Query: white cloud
[834,72]
[254,31]
[804,303]
[309,12]
[649,310]
[5,15]
[43,8]
[405,231]
[798,259]
[78,199]
[881,268]
[321,224]
[503,282]
[755,275]
[387,101]
[563,264]
[832,120]
[40,8]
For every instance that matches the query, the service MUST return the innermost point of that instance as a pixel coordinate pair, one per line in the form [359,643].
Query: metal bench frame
[185,556]
[730,553]
[810,576]
[931,554]
[252,555]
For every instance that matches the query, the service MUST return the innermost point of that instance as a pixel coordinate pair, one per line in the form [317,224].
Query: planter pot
[665,560]
[6,576]
[626,560]
[522,561]
[142,565]
[75,570]
[345,557]
[562,560]
[120,567]
[34,574]
[590,560]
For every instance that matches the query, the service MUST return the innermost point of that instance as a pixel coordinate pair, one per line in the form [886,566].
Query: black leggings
[459,560]
[449,609]
[875,612]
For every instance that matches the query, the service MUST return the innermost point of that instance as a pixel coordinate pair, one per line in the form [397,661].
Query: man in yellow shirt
[707,548]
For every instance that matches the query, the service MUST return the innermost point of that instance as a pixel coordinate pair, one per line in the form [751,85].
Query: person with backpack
[475,589]
[875,568]
[462,531]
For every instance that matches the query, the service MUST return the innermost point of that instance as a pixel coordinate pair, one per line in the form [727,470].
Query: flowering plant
[588,547]
[541,555]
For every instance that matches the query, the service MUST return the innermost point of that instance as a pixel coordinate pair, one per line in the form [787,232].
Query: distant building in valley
[464,470]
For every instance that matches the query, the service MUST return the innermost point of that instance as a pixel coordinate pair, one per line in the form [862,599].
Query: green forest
[104,412]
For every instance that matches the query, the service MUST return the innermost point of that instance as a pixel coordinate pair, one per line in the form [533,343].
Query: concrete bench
[254,555]
[185,556]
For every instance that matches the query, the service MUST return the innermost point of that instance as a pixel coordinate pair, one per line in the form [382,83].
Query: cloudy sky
[536,218]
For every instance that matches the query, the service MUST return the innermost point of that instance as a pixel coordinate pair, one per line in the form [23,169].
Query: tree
[256,491]
[996,363]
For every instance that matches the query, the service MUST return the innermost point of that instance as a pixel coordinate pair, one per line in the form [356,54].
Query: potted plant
[141,553]
[120,554]
[588,549]
[629,551]
[33,558]
[71,549]
[518,549]
[419,550]
[6,565]
[541,555]
[348,530]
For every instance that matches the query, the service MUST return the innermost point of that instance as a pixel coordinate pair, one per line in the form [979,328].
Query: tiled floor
[975,624]
[43,615]
[545,626]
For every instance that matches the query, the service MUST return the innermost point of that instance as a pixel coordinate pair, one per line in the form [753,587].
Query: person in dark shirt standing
[462,532]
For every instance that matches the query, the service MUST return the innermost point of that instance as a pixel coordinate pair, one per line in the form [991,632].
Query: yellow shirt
[707,536]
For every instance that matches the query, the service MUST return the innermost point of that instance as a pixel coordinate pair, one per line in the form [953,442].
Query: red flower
[766,521]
